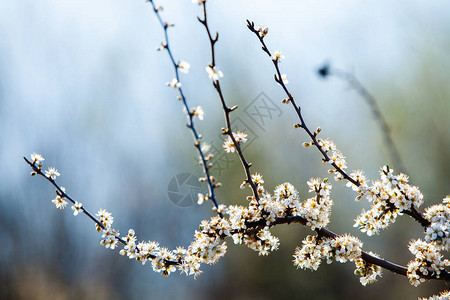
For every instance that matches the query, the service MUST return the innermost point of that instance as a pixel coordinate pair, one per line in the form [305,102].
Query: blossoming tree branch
[391,196]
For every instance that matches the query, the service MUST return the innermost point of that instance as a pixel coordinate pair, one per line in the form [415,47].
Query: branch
[60,192]
[190,115]
[279,79]
[298,110]
[226,109]
[251,228]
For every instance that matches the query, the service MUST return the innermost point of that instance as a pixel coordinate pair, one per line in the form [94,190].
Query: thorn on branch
[201,21]
[250,25]
[276,79]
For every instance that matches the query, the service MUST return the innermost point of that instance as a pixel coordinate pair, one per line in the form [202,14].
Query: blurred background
[82,84]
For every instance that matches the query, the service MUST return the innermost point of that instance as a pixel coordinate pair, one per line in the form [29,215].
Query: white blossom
[77,208]
[214,73]
[184,67]
[174,83]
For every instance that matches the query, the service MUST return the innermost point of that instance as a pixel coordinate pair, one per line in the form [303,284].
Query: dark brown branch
[190,116]
[251,25]
[297,108]
[226,109]
[253,227]
[64,195]
[324,232]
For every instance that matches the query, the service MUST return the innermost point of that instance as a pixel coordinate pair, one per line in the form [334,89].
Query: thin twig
[252,227]
[226,109]
[190,116]
[64,195]
[287,220]
[251,25]
[298,110]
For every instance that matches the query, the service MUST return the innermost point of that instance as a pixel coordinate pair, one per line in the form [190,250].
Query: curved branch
[253,227]
[63,194]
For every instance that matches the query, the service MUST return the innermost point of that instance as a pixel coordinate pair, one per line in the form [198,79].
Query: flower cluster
[109,234]
[390,197]
[341,248]
[368,272]
[262,31]
[361,186]
[336,157]
[445,295]
[244,226]
[317,210]
[428,262]
[109,238]
[142,252]
[250,225]
[310,255]
[243,223]
[344,248]
[284,202]
[162,259]
[239,137]
[438,232]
